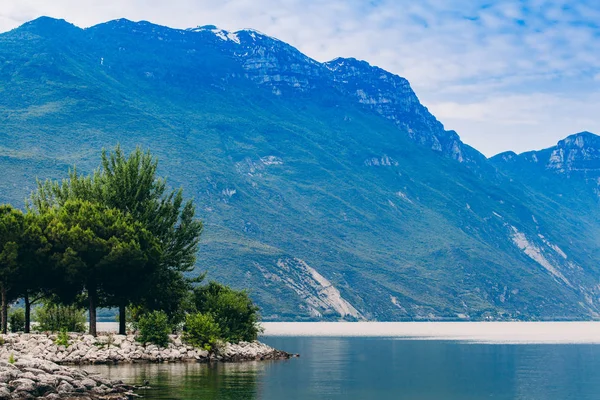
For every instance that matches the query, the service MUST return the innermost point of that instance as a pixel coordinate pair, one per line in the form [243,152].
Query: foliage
[202,331]
[166,225]
[51,317]
[11,358]
[12,226]
[62,339]
[97,249]
[172,294]
[233,311]
[154,328]
[16,320]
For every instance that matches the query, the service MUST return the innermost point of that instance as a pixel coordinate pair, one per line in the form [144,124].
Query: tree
[90,245]
[131,185]
[12,222]
[36,272]
[233,310]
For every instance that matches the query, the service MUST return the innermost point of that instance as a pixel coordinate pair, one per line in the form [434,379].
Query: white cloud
[467,60]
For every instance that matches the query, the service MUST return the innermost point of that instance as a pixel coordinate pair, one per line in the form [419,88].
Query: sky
[506,75]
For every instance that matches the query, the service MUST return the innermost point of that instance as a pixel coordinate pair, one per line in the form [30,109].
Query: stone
[88,383]
[22,385]
[86,349]
[65,387]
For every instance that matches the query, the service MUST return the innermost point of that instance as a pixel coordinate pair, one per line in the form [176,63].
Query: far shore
[584,332]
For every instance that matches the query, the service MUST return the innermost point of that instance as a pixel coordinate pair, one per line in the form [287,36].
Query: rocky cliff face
[578,154]
[392,97]
[286,71]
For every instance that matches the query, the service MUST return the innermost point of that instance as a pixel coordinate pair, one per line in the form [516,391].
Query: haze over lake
[486,332]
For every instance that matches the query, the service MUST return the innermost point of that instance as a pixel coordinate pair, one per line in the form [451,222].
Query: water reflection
[383,368]
[190,380]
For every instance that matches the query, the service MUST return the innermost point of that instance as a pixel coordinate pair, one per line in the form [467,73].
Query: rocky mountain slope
[327,189]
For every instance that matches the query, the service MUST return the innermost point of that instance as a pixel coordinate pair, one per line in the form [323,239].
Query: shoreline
[28,378]
[34,366]
[108,348]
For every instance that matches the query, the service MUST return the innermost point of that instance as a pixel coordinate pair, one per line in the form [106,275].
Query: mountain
[327,189]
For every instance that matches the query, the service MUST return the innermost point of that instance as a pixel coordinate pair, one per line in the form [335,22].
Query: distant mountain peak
[580,140]
[47,25]
[225,35]
[576,154]
[46,20]
[203,28]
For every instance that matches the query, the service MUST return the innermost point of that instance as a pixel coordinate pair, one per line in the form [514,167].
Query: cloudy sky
[510,74]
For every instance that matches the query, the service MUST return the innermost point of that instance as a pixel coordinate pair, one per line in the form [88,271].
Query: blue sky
[516,75]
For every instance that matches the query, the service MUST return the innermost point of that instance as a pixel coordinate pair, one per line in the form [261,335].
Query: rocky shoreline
[33,365]
[30,378]
[114,349]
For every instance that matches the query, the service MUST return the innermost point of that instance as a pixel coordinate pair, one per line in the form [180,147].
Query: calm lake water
[487,365]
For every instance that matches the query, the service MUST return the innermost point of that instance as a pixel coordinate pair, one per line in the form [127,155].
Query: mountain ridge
[330,194]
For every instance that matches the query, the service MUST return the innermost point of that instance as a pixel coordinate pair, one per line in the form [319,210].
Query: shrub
[62,339]
[201,330]
[233,310]
[55,318]
[11,358]
[16,319]
[154,328]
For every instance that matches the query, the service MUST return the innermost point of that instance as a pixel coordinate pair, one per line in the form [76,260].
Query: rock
[109,349]
[88,383]
[65,387]
[22,385]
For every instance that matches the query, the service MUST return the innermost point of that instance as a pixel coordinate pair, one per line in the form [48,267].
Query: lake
[395,361]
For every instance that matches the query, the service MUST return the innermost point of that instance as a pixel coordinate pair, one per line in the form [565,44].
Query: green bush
[201,330]
[233,310]
[154,327]
[55,318]
[62,339]
[16,319]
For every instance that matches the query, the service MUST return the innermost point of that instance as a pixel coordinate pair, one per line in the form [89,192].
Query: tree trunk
[27,313]
[92,297]
[122,320]
[4,311]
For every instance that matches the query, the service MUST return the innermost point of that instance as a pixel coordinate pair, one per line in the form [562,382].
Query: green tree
[233,310]
[91,244]
[130,184]
[12,223]
[36,272]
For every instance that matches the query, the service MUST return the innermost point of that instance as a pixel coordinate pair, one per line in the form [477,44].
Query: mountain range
[327,189]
